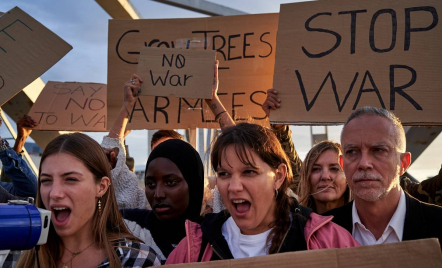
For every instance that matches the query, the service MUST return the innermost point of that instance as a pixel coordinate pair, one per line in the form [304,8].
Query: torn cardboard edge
[416,253]
[424,124]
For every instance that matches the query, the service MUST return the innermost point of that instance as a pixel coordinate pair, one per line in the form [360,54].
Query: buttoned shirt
[392,233]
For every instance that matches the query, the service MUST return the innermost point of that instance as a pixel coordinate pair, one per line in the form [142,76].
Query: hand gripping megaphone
[23,225]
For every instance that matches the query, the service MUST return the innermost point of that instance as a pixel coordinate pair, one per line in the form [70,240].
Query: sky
[84,25]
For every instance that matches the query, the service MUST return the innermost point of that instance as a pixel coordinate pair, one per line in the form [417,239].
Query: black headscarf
[188,161]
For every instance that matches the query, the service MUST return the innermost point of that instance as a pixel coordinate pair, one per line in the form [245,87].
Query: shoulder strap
[204,244]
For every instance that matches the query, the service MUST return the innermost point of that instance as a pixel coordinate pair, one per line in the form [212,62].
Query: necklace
[74,254]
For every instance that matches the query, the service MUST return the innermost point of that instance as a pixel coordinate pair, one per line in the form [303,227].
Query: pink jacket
[320,232]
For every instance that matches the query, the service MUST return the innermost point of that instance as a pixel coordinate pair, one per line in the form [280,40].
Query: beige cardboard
[183,73]
[353,62]
[71,106]
[246,47]
[417,253]
[27,50]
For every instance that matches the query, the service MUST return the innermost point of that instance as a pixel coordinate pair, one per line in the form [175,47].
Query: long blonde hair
[107,228]
[304,188]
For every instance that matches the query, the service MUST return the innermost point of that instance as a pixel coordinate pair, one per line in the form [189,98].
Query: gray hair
[375,111]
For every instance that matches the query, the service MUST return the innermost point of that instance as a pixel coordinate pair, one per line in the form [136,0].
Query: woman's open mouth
[60,215]
[241,206]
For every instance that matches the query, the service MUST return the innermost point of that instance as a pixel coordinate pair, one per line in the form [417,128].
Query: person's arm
[131,89]
[284,135]
[24,129]
[429,191]
[125,182]
[215,105]
[24,181]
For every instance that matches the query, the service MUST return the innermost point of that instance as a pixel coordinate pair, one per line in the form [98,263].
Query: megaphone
[23,225]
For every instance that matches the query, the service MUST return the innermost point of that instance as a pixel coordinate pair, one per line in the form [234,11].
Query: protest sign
[183,73]
[417,253]
[71,106]
[27,50]
[334,57]
[244,45]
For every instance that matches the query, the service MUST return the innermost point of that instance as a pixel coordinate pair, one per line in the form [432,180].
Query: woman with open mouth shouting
[87,229]
[253,175]
[323,185]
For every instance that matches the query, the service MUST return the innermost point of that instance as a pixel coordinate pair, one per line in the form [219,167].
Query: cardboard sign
[244,45]
[417,253]
[27,50]
[180,72]
[334,57]
[71,106]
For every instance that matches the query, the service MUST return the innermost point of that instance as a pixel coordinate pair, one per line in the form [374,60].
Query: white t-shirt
[243,246]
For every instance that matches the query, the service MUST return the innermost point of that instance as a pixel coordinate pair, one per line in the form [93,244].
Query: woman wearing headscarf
[174,188]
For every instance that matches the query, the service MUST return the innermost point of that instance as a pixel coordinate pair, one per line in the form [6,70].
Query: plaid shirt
[131,254]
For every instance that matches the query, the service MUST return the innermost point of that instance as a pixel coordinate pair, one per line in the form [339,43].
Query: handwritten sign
[71,106]
[179,72]
[27,50]
[244,45]
[334,57]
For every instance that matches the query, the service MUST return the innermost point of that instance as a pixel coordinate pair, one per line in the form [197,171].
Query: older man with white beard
[374,157]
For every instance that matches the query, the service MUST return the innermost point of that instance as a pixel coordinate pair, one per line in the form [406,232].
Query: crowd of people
[342,195]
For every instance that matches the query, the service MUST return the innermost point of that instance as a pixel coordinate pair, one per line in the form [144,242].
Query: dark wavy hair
[251,137]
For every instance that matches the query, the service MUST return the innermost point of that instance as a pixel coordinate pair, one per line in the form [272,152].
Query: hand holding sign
[25,126]
[272,101]
[132,89]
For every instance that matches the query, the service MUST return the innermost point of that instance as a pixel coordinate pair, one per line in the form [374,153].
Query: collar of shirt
[396,223]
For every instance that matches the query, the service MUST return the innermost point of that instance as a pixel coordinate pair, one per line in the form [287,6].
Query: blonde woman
[323,185]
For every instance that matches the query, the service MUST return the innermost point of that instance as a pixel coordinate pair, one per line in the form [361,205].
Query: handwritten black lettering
[102,120]
[95,91]
[329,75]
[230,46]
[80,89]
[163,82]
[234,105]
[245,46]
[393,34]
[180,61]
[79,105]
[200,101]
[117,47]
[161,109]
[82,118]
[134,109]
[400,89]
[219,49]
[257,103]
[9,35]
[362,90]
[353,27]
[205,36]
[2,82]
[320,30]
[409,29]
[99,104]
[265,42]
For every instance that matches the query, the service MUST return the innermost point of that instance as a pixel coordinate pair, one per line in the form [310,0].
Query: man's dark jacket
[422,220]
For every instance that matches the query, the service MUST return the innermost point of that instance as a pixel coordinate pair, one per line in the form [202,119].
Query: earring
[99,206]
[276,194]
